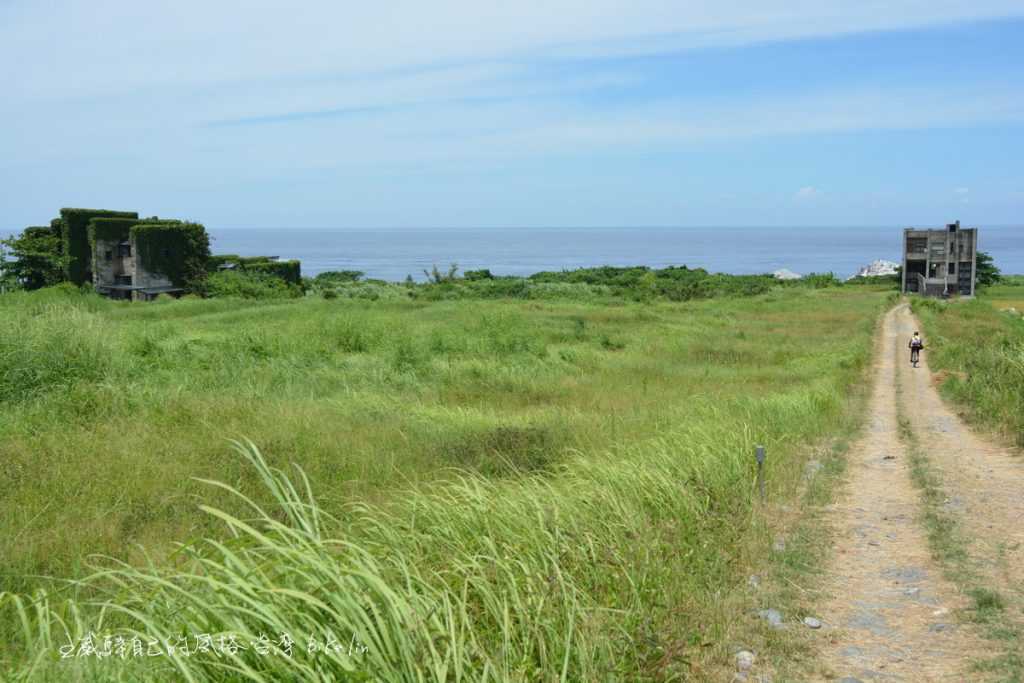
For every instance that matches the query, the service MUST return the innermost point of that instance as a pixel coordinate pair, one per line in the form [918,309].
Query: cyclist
[916,344]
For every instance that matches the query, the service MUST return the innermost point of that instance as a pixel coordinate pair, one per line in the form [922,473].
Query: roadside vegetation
[950,546]
[539,489]
[977,347]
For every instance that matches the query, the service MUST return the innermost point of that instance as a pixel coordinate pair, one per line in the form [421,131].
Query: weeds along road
[926,575]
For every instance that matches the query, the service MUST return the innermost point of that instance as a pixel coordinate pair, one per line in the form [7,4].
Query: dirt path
[984,482]
[889,612]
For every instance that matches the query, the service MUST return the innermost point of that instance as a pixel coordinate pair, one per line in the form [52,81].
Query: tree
[36,257]
[436,277]
[985,270]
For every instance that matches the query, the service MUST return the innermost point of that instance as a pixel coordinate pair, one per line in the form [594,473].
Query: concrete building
[940,262]
[118,273]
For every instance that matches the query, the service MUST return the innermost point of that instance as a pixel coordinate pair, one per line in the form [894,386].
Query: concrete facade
[117,272]
[940,262]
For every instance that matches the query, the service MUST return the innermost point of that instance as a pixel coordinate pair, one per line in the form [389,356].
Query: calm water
[391,254]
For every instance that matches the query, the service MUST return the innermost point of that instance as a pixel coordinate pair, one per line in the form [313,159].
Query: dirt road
[890,614]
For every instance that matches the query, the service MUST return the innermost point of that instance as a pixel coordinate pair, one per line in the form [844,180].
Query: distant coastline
[393,253]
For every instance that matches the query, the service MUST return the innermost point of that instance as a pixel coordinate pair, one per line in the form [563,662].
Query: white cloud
[108,46]
[807,193]
[435,126]
[961,190]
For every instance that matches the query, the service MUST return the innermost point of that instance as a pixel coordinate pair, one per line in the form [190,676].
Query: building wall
[940,262]
[106,272]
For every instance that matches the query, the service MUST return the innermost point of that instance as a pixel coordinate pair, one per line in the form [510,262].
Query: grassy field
[519,490]
[978,347]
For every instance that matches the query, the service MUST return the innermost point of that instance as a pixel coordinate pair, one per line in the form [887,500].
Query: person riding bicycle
[916,344]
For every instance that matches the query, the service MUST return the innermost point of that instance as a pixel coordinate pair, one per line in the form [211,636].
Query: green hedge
[177,250]
[75,236]
[289,271]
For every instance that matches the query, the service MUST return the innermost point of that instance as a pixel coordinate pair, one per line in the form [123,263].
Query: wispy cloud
[187,96]
[110,46]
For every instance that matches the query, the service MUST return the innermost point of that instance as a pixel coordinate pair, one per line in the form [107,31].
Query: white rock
[745,660]
[786,274]
[876,268]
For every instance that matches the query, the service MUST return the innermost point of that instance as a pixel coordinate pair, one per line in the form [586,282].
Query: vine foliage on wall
[110,230]
[175,249]
[75,235]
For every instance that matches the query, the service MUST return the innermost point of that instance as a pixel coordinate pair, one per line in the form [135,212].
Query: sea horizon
[393,253]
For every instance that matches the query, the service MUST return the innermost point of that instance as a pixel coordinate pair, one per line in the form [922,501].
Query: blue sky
[455,113]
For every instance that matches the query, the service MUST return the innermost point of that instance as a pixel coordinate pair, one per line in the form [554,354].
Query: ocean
[393,253]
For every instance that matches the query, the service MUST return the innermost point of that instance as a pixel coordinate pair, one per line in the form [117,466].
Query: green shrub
[338,276]
[370,291]
[289,271]
[482,274]
[819,280]
[248,286]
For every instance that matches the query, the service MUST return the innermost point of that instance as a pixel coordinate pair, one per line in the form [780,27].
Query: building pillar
[906,246]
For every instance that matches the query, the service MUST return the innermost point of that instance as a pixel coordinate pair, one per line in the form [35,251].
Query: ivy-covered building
[140,259]
[126,257]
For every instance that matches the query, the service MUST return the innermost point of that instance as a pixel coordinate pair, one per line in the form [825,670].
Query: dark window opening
[123,280]
[952,269]
[165,252]
[917,245]
[108,255]
[124,250]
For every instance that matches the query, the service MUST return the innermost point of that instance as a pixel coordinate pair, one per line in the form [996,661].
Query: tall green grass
[503,491]
[980,348]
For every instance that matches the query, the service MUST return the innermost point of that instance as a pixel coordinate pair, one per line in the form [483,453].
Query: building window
[123,280]
[124,250]
[108,255]
[166,253]
[952,269]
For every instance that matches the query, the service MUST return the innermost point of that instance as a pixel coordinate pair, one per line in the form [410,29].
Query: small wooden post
[759,454]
